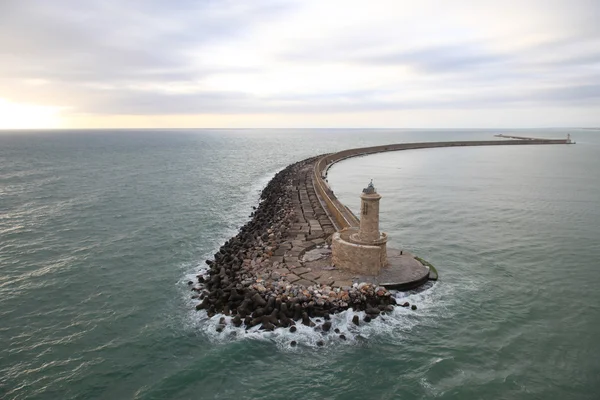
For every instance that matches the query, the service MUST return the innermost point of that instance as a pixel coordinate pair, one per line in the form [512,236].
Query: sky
[299,64]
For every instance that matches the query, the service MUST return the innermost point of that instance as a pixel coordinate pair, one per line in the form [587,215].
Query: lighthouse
[362,249]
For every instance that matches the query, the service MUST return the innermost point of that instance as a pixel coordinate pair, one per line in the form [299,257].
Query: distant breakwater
[257,277]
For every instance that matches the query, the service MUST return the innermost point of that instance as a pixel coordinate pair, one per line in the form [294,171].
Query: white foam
[394,325]
[245,207]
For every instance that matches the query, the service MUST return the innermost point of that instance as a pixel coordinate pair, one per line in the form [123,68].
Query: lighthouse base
[351,254]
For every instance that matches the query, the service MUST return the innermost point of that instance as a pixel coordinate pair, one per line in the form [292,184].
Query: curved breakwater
[257,278]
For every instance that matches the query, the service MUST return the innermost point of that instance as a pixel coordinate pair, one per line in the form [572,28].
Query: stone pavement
[310,229]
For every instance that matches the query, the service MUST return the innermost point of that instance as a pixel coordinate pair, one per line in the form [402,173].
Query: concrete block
[277,259]
[301,270]
[280,251]
[326,280]
[304,282]
[313,276]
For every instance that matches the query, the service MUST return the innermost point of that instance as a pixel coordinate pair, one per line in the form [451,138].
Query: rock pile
[244,283]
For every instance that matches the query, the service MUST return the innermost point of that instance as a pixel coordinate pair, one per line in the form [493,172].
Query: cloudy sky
[305,63]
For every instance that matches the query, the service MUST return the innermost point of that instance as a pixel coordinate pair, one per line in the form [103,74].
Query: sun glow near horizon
[28,116]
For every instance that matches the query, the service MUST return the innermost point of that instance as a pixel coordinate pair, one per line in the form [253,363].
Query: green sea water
[101,230]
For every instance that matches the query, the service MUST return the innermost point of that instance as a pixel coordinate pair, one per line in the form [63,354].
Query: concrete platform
[404,272]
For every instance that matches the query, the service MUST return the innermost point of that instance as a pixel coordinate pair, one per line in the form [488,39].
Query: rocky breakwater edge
[255,278]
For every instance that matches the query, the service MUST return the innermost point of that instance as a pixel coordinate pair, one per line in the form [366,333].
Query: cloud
[267,57]
[440,59]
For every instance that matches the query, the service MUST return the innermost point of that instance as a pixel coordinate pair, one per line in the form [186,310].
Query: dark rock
[320,343]
[284,320]
[259,312]
[203,305]
[367,318]
[355,320]
[272,318]
[405,304]
[270,304]
[267,326]
[237,321]
[326,326]
[220,328]
[190,283]
[293,343]
[306,321]
[244,308]
[235,296]
[297,312]
[336,330]
[372,311]
[413,307]
[258,300]
[293,329]
[343,337]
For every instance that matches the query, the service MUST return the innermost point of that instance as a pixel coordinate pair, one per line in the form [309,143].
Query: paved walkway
[311,228]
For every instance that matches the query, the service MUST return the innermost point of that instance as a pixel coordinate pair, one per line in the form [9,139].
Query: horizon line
[292,128]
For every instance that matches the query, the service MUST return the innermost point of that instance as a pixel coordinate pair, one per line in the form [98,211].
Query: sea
[101,230]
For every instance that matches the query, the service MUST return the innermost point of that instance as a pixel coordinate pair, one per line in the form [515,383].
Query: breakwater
[258,276]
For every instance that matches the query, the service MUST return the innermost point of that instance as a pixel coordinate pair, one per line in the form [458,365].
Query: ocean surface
[101,230]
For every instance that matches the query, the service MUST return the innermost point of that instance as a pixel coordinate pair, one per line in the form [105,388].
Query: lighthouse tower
[362,249]
[369,215]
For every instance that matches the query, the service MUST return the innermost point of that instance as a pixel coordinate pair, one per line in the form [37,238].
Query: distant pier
[502,135]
